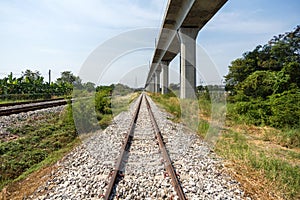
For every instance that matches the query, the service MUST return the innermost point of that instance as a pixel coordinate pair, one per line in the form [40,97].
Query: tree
[31,85]
[258,84]
[281,54]
[68,81]
[31,77]
[89,86]
[67,77]
[265,83]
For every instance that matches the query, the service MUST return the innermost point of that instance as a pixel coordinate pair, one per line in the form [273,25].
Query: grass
[236,147]
[37,145]
[4,101]
[42,142]
[11,101]
[289,138]
[269,157]
[51,159]
[203,127]
[170,103]
[118,104]
[121,103]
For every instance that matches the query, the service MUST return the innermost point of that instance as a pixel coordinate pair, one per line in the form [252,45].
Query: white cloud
[117,13]
[47,29]
[244,23]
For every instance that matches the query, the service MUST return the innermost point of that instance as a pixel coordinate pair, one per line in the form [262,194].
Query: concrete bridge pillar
[165,76]
[157,81]
[151,85]
[187,37]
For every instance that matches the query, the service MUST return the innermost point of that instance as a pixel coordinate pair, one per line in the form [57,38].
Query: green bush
[285,109]
[279,110]
[253,112]
[265,83]
[84,115]
[103,102]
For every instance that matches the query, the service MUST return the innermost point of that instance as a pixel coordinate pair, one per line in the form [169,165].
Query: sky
[63,35]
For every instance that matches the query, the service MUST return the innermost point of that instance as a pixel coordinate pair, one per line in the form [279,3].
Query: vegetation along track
[15,108]
[85,173]
[143,154]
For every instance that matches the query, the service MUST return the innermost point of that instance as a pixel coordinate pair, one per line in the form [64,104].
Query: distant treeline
[31,85]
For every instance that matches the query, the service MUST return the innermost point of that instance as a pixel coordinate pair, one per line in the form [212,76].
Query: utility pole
[49,76]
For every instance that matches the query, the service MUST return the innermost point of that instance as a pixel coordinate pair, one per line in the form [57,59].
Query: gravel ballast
[85,172]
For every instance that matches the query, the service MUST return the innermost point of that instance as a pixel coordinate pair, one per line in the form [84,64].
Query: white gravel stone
[18,120]
[85,172]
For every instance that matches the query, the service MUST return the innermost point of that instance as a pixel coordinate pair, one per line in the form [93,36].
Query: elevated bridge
[183,19]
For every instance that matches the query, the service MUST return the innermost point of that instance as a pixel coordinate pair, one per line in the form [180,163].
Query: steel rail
[27,108]
[120,164]
[124,150]
[167,160]
[28,102]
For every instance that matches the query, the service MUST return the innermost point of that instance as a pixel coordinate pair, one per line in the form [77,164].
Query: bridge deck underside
[181,14]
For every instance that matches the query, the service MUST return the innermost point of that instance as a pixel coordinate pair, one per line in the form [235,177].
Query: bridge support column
[148,87]
[165,77]
[151,85]
[187,38]
[157,81]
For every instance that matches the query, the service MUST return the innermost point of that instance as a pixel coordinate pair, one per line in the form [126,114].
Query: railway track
[142,173]
[27,102]
[143,156]
[15,108]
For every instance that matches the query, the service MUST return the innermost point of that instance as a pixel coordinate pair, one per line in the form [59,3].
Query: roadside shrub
[253,112]
[285,109]
[103,102]
[279,110]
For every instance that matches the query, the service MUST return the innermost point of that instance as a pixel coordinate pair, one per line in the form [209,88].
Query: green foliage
[258,84]
[254,112]
[89,86]
[104,120]
[120,89]
[31,85]
[203,92]
[233,145]
[265,83]
[90,111]
[278,110]
[281,52]
[84,114]
[170,102]
[105,89]
[203,127]
[36,143]
[103,105]
[103,102]
[285,109]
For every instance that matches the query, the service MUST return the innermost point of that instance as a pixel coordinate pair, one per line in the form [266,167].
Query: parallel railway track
[15,108]
[28,102]
[120,168]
